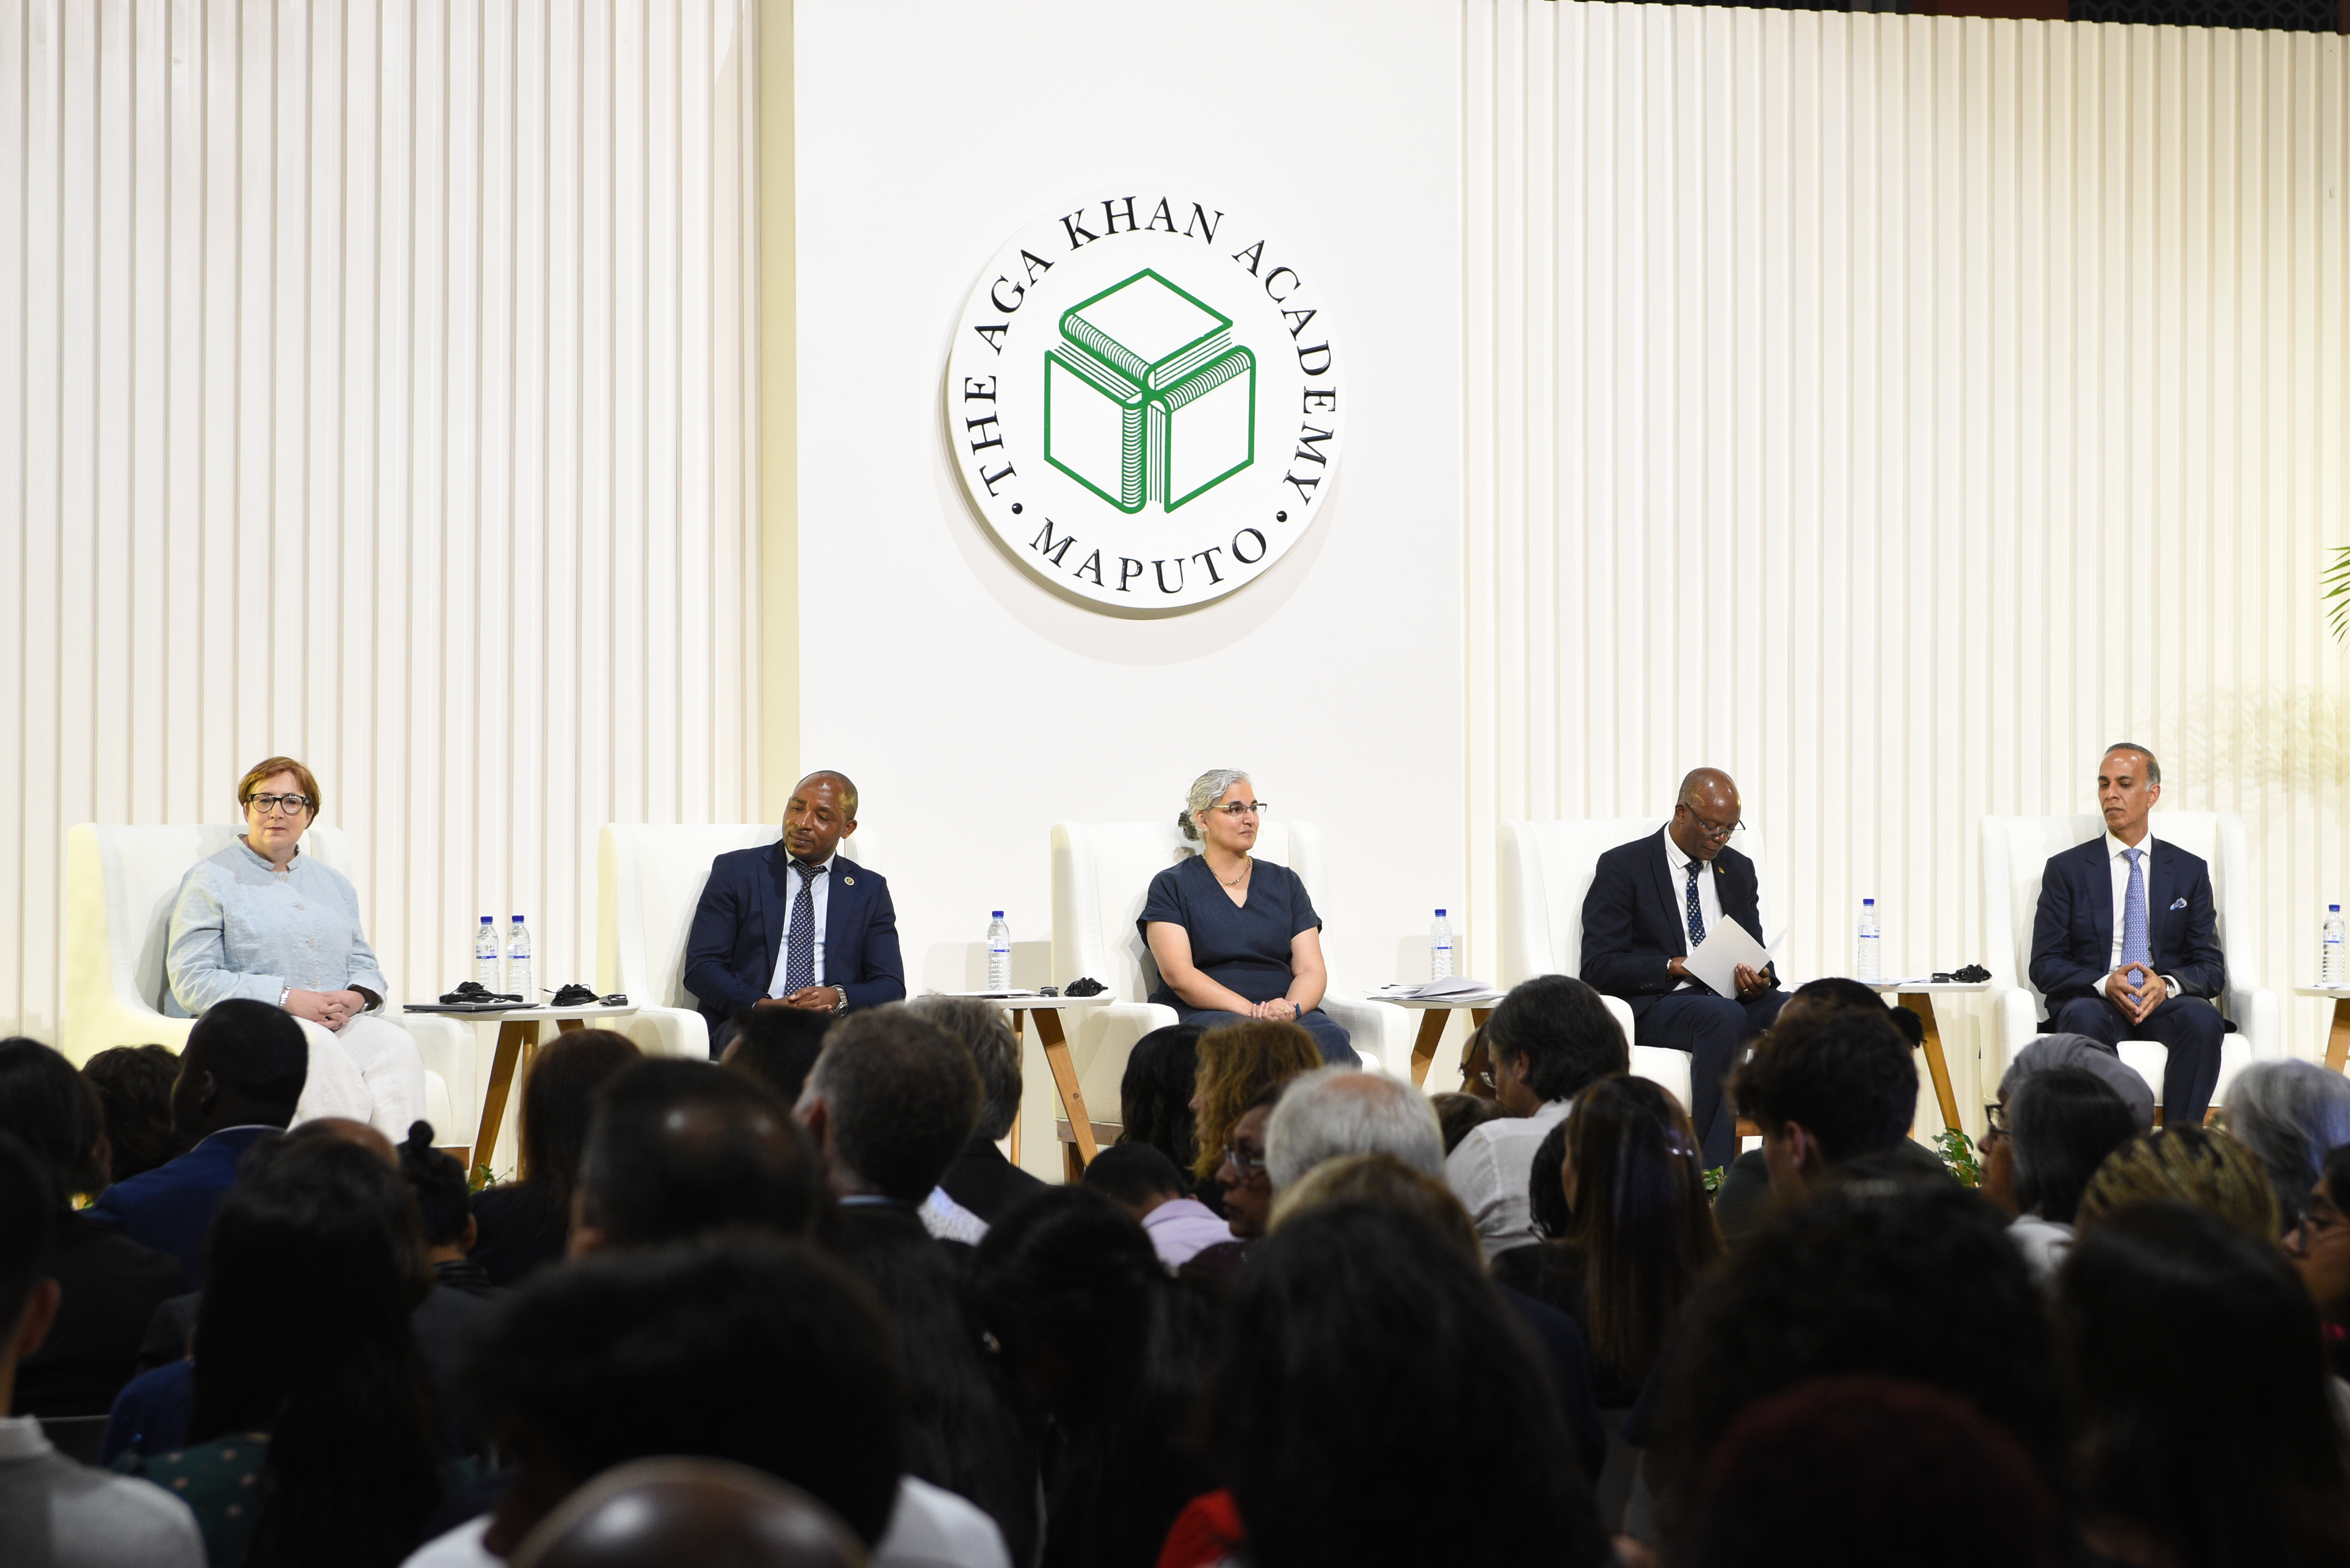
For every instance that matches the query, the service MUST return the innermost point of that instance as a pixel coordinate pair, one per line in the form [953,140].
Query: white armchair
[1100,873]
[2015,851]
[649,878]
[119,886]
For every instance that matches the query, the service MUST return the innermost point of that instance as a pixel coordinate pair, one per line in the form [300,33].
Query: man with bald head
[1651,902]
[795,924]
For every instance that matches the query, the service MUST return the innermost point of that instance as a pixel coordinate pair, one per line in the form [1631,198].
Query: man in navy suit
[2125,945]
[795,924]
[241,1072]
[1651,902]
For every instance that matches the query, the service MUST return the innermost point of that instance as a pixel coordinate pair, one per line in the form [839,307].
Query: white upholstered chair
[649,878]
[120,883]
[1100,872]
[2015,851]
[1546,869]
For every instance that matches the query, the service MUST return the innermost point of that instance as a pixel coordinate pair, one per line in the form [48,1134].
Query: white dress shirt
[86,1517]
[1709,898]
[2119,862]
[793,877]
[1489,1170]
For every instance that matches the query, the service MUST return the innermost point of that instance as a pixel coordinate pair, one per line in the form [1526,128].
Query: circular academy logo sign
[1143,400]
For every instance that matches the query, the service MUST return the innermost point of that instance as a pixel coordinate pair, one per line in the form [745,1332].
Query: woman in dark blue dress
[1234,937]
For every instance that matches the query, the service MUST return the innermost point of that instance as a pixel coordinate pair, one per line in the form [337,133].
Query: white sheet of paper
[1726,947]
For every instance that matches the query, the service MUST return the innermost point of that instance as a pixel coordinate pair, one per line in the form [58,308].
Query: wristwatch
[840,999]
[285,996]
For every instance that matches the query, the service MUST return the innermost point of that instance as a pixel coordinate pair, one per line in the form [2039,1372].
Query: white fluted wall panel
[1894,410]
[376,388]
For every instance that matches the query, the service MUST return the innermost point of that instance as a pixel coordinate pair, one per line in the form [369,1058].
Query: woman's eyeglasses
[270,804]
[1237,810]
[1241,1160]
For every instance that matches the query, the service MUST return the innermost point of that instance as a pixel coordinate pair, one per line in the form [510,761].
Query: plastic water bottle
[518,964]
[485,956]
[2329,961]
[1866,965]
[1440,948]
[999,953]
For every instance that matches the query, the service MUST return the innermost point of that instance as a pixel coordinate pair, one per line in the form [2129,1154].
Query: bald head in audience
[713,1513]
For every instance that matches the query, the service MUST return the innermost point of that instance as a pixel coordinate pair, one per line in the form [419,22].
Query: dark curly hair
[134,1087]
[1844,1078]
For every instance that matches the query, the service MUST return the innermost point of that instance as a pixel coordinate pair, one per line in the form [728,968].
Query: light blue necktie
[2134,943]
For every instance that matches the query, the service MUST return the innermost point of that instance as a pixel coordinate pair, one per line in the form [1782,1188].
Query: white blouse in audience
[1489,1171]
[930,1528]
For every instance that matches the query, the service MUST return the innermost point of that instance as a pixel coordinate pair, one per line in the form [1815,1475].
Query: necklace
[1246,864]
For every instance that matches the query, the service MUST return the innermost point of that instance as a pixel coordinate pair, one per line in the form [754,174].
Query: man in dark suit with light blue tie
[795,924]
[2126,944]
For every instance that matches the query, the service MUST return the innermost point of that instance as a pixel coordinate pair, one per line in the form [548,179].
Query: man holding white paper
[1654,903]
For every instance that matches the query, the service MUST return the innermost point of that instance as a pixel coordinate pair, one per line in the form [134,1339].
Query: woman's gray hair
[1206,790]
[2291,1115]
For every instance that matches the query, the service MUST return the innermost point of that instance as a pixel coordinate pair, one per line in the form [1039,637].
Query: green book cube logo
[1146,399]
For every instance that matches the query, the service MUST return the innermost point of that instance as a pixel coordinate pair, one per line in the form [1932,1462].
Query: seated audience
[2208,1437]
[1235,938]
[2194,1164]
[1237,1063]
[134,1089]
[1364,1330]
[1246,1178]
[1550,1038]
[1838,1473]
[1336,1111]
[108,1285]
[1854,1281]
[314,1436]
[239,1077]
[2291,1115]
[2048,1051]
[889,1104]
[1457,1115]
[2319,1247]
[980,1178]
[776,1045]
[2051,1131]
[1145,1184]
[655,1514]
[53,1511]
[1637,1236]
[679,1149]
[745,1348]
[522,1225]
[1111,1353]
[1154,1095]
[1825,1087]
[446,1210]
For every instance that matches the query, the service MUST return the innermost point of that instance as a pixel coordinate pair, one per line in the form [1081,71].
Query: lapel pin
[849,881]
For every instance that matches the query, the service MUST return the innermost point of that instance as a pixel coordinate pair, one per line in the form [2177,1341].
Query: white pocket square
[2178,903]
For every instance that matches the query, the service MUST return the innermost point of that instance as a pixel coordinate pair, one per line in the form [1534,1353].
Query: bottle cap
[1440,914]
[517,919]
[1869,903]
[485,919]
[998,915]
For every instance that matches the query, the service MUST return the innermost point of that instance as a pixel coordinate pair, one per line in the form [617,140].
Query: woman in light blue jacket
[261,919]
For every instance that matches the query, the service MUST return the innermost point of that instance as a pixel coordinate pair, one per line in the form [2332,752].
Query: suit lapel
[2161,888]
[842,902]
[775,902]
[2101,895]
[1661,866]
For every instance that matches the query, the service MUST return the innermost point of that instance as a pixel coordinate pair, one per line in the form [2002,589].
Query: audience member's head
[1154,1096]
[1856,1280]
[1831,1086]
[559,1100]
[1358,1318]
[653,1513]
[28,1233]
[746,1348]
[1832,994]
[1238,1063]
[2047,1051]
[890,1103]
[1634,1185]
[134,1089]
[54,1112]
[2208,1169]
[1136,1177]
[2062,1123]
[1836,1474]
[313,1263]
[1334,1111]
[777,1045]
[1244,1171]
[1460,1114]
[442,1204]
[1546,1184]
[2319,1245]
[684,1148]
[979,1027]
[2208,1436]
[1093,1332]
[244,1066]
[1381,1178]
[1549,1037]
[2289,1115]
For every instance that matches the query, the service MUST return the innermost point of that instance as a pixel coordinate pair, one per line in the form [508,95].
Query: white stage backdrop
[374,380]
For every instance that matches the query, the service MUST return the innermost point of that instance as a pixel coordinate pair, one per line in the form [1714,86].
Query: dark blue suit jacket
[1633,922]
[738,933]
[171,1207]
[2072,934]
